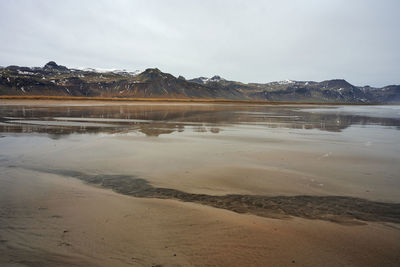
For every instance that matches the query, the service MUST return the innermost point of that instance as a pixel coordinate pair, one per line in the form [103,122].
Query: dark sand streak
[339,209]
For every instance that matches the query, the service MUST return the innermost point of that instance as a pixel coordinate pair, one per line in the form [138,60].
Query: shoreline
[178,100]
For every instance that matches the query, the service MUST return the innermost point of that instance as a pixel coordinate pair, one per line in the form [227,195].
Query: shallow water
[212,149]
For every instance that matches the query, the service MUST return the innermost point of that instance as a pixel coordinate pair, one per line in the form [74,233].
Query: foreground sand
[57,221]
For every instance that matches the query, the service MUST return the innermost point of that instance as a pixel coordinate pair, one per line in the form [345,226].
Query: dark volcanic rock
[57,80]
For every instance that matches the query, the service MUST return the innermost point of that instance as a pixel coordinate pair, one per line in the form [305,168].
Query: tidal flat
[177,184]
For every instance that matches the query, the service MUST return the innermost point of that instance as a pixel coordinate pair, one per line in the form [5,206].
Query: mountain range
[57,80]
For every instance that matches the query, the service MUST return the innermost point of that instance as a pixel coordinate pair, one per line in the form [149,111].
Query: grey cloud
[250,41]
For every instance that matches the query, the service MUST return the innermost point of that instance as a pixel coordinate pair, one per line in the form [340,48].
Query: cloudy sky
[250,41]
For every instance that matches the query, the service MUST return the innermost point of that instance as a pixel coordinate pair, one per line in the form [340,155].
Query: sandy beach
[58,221]
[84,184]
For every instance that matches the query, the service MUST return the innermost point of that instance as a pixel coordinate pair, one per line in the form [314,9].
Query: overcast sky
[249,41]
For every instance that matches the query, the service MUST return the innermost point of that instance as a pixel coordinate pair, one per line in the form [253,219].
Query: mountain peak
[152,70]
[51,65]
[154,73]
[337,83]
[216,78]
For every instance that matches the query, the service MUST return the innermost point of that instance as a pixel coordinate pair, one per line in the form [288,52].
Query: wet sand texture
[340,209]
[63,222]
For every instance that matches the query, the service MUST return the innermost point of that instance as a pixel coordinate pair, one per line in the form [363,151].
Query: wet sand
[58,221]
[339,209]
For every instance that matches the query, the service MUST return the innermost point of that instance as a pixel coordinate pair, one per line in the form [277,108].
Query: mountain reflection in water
[156,119]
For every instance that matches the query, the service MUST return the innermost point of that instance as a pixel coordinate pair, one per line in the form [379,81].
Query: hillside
[57,80]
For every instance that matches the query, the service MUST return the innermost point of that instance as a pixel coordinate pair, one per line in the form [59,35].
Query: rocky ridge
[57,80]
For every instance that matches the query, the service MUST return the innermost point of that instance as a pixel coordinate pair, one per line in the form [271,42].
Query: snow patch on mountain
[101,70]
[286,82]
[205,80]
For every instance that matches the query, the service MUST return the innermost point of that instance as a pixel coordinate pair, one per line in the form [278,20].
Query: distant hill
[57,80]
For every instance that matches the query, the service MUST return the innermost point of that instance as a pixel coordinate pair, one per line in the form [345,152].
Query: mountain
[57,80]
[330,91]
[309,91]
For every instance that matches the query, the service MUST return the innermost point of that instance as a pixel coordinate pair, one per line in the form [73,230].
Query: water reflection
[155,120]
